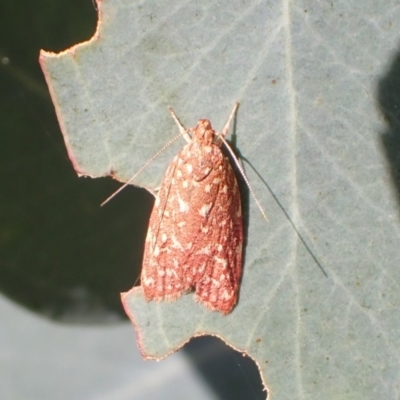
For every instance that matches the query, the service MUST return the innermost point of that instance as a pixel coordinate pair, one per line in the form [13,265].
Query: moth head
[204,133]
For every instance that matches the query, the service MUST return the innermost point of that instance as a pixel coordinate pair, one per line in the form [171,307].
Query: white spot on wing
[215,283]
[183,205]
[205,209]
[204,229]
[226,295]
[205,250]
[176,244]
[223,261]
[171,272]
[149,282]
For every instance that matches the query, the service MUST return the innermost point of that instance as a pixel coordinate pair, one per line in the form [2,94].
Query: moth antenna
[226,127]
[182,129]
[244,177]
[141,169]
[222,137]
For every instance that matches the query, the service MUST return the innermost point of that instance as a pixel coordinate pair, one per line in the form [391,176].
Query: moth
[195,235]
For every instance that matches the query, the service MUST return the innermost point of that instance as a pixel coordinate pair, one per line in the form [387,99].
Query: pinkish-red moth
[195,235]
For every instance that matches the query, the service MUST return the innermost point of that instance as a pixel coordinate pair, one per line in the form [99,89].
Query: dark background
[60,253]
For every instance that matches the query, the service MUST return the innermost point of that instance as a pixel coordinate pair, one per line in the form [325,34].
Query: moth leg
[182,129]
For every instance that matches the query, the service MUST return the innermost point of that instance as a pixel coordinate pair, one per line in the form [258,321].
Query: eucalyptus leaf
[319,126]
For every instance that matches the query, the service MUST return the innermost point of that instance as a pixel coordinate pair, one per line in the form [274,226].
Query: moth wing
[195,234]
[218,250]
[162,275]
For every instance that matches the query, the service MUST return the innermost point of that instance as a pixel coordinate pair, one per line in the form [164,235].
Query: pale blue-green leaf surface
[317,82]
